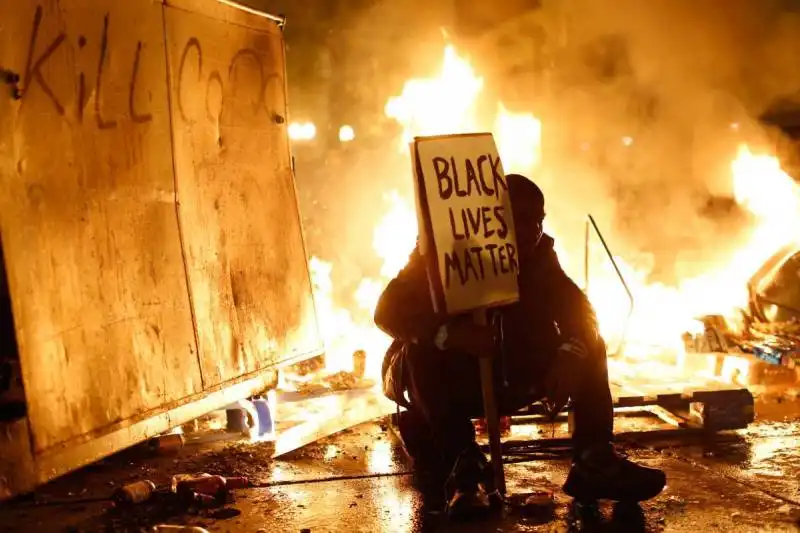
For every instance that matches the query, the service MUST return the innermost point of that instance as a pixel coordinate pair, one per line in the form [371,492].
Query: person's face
[530,228]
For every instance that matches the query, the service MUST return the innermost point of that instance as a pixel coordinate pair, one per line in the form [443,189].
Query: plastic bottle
[239,482]
[210,485]
[206,484]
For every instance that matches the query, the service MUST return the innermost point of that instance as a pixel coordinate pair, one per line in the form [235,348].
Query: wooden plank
[88,218]
[238,210]
[313,418]
[21,472]
[655,385]
[59,461]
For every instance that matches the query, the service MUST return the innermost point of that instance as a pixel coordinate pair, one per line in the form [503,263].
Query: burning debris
[777,344]
[312,377]
[770,323]
[655,327]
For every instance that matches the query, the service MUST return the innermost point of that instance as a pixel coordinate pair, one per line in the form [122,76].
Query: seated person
[546,346]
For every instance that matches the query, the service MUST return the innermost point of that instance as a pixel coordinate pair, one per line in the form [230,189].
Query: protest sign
[466,227]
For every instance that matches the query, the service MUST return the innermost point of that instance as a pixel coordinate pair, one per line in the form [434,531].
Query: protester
[544,347]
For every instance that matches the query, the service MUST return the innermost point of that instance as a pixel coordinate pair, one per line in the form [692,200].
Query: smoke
[643,105]
[643,117]
[345,187]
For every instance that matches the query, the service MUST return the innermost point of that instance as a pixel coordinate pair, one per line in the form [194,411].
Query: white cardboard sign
[466,226]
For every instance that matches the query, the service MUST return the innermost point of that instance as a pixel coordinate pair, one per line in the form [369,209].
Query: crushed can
[236,420]
[167,444]
[359,363]
[134,493]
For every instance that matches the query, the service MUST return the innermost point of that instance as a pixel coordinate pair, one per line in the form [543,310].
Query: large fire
[447,103]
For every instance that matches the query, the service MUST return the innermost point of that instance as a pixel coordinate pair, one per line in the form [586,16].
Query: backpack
[395,375]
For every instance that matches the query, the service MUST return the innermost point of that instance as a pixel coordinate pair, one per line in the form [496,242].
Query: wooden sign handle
[490,411]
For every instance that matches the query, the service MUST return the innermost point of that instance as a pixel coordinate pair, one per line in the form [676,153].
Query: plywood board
[315,417]
[238,210]
[88,216]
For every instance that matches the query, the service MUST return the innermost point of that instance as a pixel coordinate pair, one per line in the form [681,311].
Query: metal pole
[622,279]
[586,257]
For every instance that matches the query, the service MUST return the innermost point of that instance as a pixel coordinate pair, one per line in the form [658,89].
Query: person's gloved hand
[564,375]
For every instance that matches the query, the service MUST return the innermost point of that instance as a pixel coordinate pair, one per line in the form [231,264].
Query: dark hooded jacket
[551,309]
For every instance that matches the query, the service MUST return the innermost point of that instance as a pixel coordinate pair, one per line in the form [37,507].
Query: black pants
[445,393]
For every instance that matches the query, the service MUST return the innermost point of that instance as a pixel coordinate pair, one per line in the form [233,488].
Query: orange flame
[447,103]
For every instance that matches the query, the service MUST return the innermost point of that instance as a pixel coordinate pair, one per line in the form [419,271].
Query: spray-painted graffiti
[33,71]
[43,53]
[39,57]
[192,56]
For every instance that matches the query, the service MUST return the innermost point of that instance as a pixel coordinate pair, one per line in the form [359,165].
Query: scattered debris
[774,344]
[674,501]
[537,503]
[167,444]
[224,513]
[246,459]
[134,493]
[309,366]
[310,377]
[346,381]
[205,489]
[167,528]
[792,512]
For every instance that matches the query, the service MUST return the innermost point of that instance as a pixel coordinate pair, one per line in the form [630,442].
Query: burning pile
[654,328]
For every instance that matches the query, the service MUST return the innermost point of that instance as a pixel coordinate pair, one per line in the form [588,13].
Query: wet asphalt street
[744,481]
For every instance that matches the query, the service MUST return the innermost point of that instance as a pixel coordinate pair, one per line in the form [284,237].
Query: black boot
[601,473]
[430,471]
[467,495]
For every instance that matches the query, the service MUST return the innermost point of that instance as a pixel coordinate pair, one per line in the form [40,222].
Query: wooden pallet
[709,404]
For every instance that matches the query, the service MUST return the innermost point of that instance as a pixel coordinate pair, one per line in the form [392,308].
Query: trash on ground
[167,528]
[167,444]
[134,493]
